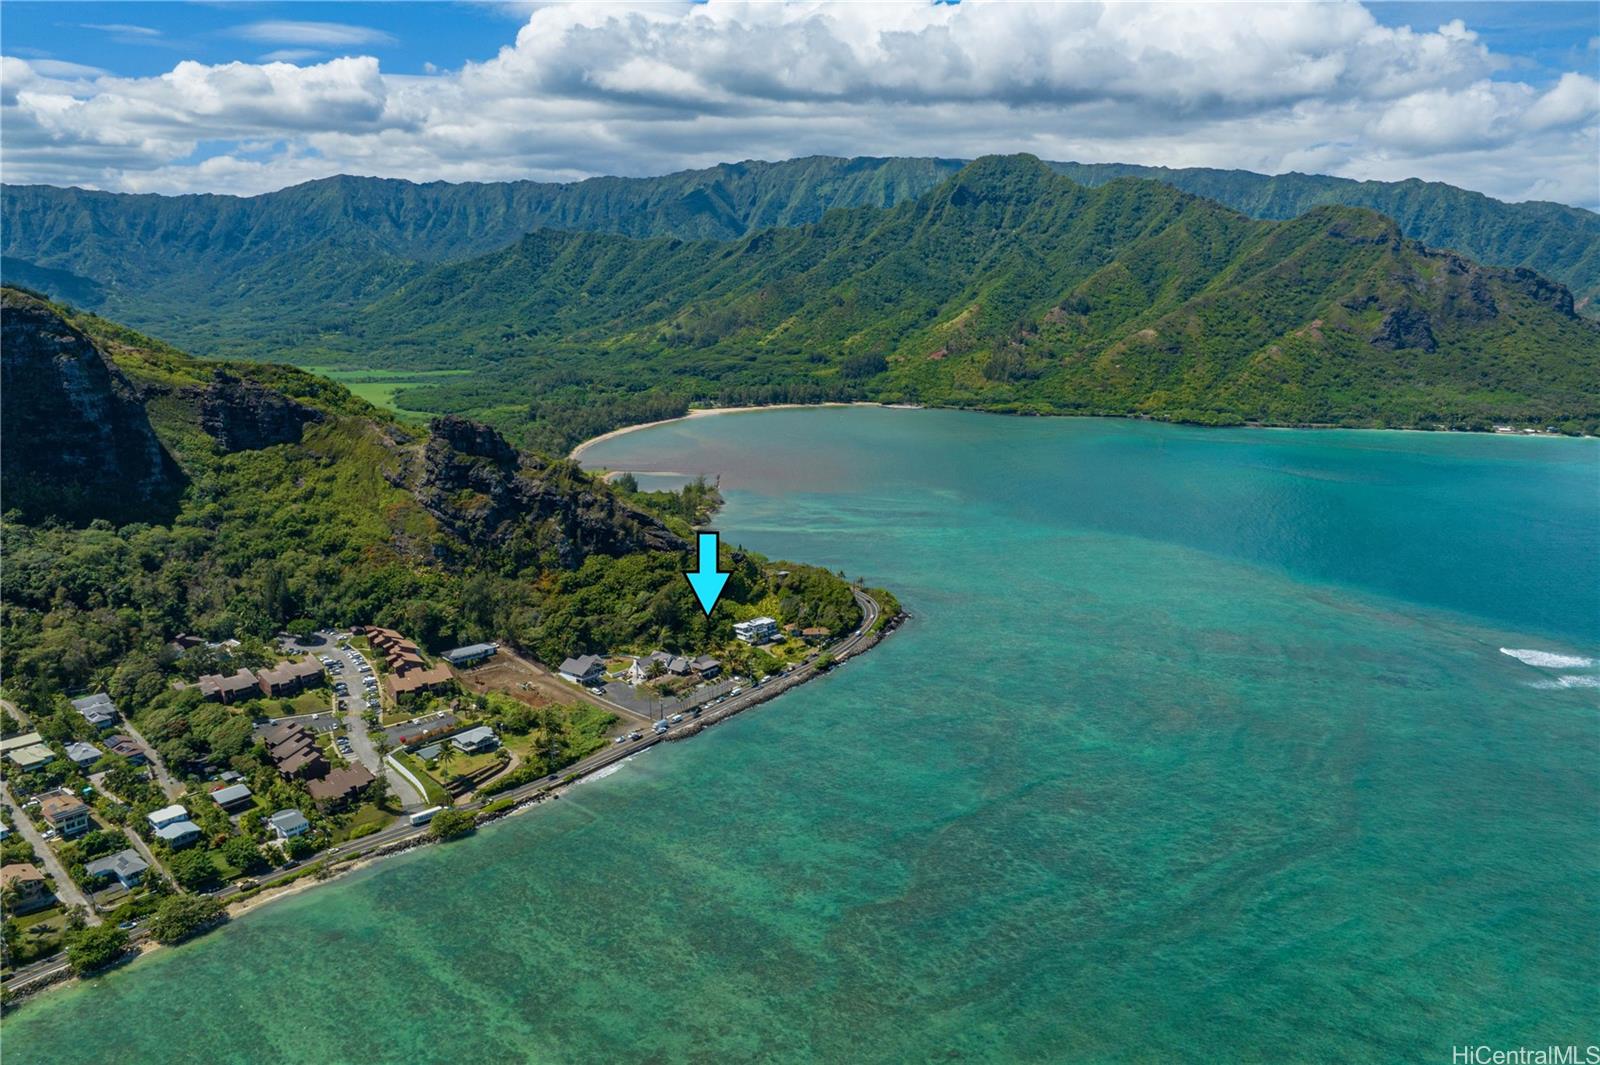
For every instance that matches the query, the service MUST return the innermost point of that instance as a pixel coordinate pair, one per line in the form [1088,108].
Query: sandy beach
[702,412]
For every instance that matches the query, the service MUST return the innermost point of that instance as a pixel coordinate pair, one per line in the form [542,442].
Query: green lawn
[363,821]
[378,387]
[312,702]
[435,793]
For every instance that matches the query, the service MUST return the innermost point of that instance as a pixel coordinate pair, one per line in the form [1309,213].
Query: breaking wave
[1548,660]
[1571,680]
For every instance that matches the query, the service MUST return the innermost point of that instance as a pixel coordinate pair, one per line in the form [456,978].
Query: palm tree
[446,755]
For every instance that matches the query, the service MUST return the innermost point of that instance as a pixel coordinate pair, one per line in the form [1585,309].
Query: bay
[1200,744]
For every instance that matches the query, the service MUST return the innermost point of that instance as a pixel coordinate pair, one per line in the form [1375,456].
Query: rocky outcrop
[75,442]
[1405,327]
[487,495]
[242,415]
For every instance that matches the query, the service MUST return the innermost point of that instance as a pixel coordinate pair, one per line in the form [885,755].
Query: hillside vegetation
[1003,286]
[205,269]
[1006,288]
[252,495]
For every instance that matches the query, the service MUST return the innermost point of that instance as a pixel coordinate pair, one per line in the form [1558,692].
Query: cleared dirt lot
[532,684]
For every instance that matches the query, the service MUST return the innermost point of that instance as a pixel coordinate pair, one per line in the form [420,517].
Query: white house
[475,740]
[287,823]
[644,666]
[167,815]
[756,630]
[585,669]
[178,834]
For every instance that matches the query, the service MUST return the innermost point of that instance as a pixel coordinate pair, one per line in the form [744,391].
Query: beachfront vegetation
[449,824]
[93,947]
[180,916]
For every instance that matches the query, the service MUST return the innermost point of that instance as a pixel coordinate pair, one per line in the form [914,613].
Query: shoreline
[576,454]
[705,412]
[410,838]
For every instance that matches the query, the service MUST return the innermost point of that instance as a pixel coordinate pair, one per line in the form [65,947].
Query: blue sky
[243,97]
[145,39]
[1545,39]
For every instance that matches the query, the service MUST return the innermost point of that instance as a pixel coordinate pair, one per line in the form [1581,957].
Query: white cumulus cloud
[646,88]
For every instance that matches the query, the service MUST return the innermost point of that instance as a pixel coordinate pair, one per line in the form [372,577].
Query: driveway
[149,856]
[66,890]
[157,765]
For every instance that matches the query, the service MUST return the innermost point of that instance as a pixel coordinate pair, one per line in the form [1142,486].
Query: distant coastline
[702,412]
[576,454]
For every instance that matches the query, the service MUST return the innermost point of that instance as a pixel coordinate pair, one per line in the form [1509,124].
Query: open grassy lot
[364,820]
[378,387]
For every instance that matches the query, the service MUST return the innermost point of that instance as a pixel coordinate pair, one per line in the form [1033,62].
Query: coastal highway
[841,649]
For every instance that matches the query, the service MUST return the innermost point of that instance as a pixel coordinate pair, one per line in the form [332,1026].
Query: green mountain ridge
[184,264]
[1010,288]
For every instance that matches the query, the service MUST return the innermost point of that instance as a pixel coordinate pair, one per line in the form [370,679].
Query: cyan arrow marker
[707,581]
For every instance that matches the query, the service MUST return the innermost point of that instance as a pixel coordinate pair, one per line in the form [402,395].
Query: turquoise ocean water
[1201,745]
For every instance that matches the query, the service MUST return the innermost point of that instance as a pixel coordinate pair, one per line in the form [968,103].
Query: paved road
[66,890]
[611,754]
[355,722]
[157,765]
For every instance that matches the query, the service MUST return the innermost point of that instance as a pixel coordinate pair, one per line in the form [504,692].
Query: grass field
[362,821]
[378,387]
[436,794]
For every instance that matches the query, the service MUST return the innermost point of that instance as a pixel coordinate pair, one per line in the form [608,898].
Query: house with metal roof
[30,756]
[231,797]
[475,740]
[82,754]
[97,709]
[584,669]
[178,833]
[287,823]
[13,743]
[126,866]
[470,654]
[167,815]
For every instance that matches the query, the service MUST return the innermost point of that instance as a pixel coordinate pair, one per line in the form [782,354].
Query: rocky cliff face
[75,442]
[488,495]
[243,415]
